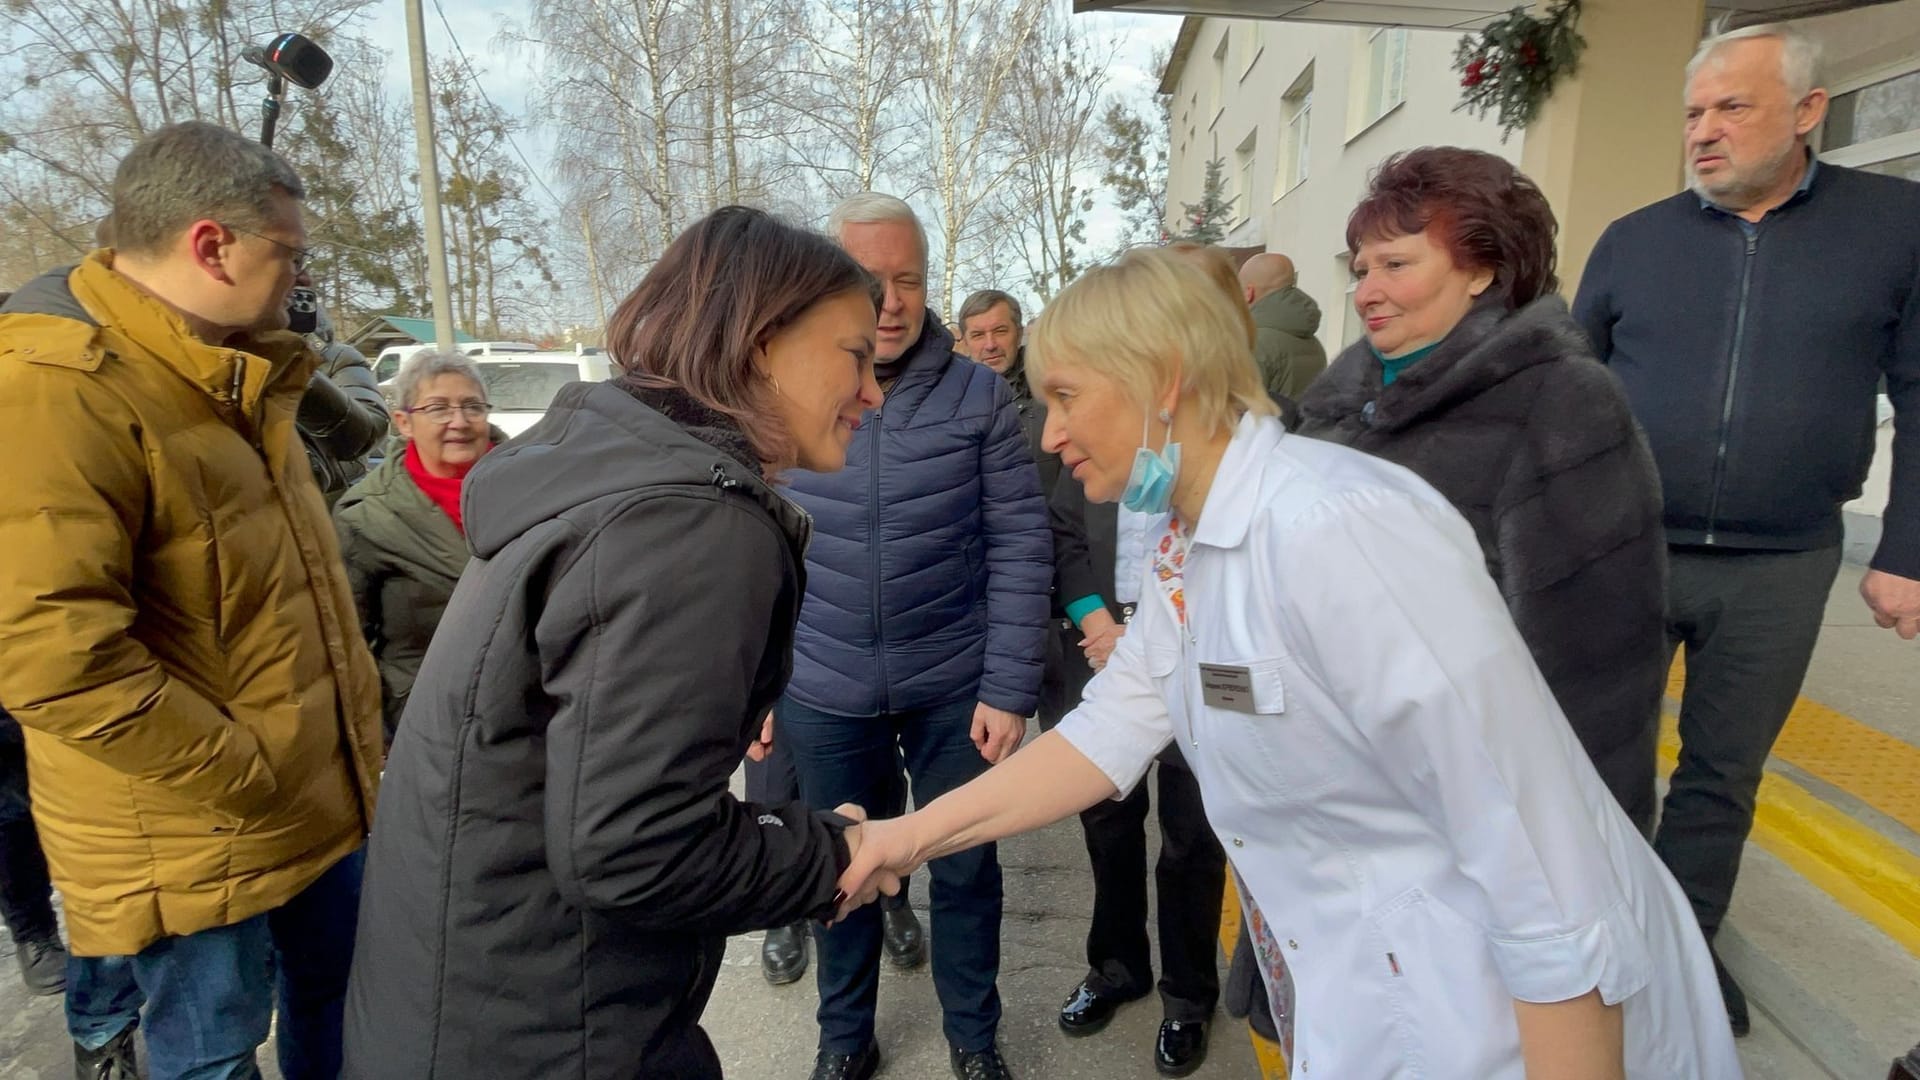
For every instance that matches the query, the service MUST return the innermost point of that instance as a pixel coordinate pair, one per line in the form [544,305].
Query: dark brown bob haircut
[724,287]
[1484,212]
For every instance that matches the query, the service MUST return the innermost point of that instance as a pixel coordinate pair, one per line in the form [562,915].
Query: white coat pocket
[1438,973]
[1274,750]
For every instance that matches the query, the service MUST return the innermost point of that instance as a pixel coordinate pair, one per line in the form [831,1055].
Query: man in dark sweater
[1752,320]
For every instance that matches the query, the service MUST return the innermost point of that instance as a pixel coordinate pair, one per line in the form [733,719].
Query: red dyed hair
[1483,211]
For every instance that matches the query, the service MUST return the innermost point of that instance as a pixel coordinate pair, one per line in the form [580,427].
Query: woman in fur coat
[1474,376]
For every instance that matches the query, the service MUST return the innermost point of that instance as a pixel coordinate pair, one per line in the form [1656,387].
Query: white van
[522,385]
[388,364]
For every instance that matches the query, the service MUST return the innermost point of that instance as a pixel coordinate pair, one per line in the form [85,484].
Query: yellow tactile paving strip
[1866,763]
[1863,871]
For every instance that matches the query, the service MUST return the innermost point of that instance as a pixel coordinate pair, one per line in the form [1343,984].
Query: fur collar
[1488,347]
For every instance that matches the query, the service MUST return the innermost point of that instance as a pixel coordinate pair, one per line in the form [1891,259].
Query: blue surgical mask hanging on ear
[1150,485]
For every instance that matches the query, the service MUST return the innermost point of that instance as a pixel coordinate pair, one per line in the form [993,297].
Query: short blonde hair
[1143,318]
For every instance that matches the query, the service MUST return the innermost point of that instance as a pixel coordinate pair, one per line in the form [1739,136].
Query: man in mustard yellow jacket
[202,717]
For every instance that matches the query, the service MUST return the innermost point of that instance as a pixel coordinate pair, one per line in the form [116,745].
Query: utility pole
[593,271]
[429,178]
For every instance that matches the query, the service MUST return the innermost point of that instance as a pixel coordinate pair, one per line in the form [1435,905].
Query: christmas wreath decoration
[1511,66]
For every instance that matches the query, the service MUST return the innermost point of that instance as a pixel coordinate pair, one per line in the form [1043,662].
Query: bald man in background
[1286,319]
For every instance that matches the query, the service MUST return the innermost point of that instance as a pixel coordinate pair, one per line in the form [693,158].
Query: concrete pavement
[767,1033]
[1833,978]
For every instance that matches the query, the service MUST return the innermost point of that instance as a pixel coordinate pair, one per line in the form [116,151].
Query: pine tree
[1209,218]
[1135,146]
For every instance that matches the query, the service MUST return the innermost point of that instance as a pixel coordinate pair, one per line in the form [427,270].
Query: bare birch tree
[1052,116]
[90,77]
[973,50]
[494,234]
[851,95]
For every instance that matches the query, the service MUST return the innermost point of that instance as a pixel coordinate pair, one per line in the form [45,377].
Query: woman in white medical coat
[1439,884]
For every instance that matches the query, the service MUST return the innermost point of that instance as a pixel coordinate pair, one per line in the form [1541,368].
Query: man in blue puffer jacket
[922,635]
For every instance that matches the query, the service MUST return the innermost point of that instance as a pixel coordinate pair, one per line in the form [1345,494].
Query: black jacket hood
[601,439]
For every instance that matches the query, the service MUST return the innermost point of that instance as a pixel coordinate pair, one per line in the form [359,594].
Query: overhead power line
[508,132]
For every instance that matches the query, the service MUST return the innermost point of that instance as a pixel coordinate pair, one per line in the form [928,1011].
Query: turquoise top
[1391,369]
[1085,606]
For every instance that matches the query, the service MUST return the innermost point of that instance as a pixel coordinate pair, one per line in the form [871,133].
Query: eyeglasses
[442,413]
[300,255]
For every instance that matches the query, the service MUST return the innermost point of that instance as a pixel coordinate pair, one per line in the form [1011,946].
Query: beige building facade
[1299,114]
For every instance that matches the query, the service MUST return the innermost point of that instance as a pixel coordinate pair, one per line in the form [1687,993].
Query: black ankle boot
[783,956]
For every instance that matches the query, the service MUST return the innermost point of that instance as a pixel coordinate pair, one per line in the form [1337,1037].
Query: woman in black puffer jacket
[557,860]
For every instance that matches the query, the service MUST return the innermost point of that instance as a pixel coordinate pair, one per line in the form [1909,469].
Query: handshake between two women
[880,856]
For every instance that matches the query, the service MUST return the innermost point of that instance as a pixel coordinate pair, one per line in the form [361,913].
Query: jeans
[842,759]
[209,997]
[26,894]
[774,782]
[1749,621]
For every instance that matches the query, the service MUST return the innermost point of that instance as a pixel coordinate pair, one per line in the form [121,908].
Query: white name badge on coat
[1224,686]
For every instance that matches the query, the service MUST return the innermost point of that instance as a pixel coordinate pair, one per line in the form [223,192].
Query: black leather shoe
[828,1065]
[783,956]
[43,965]
[906,942]
[114,1061]
[978,1064]
[1087,1011]
[1181,1047]
[1735,998]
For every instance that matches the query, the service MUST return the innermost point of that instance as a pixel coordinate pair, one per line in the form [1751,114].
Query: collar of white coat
[1234,497]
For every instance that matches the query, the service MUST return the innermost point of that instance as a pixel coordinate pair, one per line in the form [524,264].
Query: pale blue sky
[509,77]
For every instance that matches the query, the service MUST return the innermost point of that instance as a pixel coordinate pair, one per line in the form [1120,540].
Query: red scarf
[443,490]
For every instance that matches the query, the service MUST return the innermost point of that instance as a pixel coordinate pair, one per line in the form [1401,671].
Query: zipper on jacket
[873,545]
[1733,377]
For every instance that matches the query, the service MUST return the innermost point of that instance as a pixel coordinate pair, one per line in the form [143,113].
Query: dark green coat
[403,558]
[1289,355]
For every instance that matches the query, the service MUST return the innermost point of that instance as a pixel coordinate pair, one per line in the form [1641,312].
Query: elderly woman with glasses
[400,528]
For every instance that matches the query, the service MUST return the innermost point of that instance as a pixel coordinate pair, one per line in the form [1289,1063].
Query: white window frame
[1296,136]
[1258,50]
[1219,83]
[1389,70]
[1887,147]
[1300,142]
[1244,157]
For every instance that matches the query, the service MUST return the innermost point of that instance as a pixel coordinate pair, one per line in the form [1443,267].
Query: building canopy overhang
[1422,14]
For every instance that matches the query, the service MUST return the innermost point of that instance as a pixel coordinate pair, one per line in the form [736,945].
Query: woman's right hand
[1099,645]
[760,748]
[882,854]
